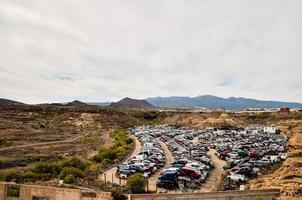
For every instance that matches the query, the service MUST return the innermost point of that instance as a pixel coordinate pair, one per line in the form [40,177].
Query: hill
[76,103]
[209,101]
[7,102]
[131,103]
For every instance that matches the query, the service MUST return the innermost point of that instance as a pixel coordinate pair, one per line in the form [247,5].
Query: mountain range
[204,101]
[209,101]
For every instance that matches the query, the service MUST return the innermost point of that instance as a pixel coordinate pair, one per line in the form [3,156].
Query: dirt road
[109,175]
[215,174]
[169,159]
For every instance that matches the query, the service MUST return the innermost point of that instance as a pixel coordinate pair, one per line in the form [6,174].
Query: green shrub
[75,162]
[77,173]
[11,177]
[105,153]
[13,192]
[118,150]
[117,195]
[39,157]
[28,176]
[3,141]
[129,140]
[47,168]
[136,183]
[69,179]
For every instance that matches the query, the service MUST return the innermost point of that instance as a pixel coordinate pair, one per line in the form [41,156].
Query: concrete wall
[27,192]
[229,195]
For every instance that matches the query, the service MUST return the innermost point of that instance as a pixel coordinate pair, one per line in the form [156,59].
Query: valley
[31,135]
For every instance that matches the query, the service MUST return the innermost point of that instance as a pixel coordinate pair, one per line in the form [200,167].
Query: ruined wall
[34,192]
[229,195]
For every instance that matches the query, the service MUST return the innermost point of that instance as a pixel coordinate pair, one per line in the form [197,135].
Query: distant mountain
[131,103]
[209,101]
[76,103]
[7,102]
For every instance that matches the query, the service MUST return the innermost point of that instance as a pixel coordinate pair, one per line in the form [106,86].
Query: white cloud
[105,50]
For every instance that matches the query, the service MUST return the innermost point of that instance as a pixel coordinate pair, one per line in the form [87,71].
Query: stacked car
[247,154]
[246,150]
[148,161]
[192,164]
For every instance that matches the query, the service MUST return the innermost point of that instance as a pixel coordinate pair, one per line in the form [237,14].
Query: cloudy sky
[95,50]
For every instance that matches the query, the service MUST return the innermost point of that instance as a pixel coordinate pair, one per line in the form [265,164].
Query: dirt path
[215,174]
[169,159]
[109,175]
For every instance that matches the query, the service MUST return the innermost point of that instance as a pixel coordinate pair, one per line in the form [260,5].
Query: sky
[97,50]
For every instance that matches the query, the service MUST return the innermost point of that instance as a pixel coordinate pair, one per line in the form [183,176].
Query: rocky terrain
[28,132]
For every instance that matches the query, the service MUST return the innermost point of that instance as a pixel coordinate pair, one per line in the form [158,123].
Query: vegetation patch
[4,142]
[90,139]
[121,147]
[67,170]
[136,183]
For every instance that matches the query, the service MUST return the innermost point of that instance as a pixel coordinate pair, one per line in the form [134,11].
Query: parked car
[168,180]
[237,177]
[189,172]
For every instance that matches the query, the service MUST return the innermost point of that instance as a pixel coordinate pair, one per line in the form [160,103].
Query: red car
[189,172]
[234,169]
[254,154]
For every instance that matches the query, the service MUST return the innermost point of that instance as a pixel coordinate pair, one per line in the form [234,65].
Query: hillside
[76,103]
[208,101]
[131,103]
[7,102]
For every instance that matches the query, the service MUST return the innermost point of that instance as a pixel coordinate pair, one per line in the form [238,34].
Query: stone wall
[34,192]
[228,195]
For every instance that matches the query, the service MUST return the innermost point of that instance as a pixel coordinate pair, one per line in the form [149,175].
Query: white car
[237,177]
[171,169]
[265,161]
[272,158]
[196,165]
[283,156]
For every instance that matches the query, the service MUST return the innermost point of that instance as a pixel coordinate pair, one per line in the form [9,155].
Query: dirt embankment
[203,120]
[287,178]
[231,119]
